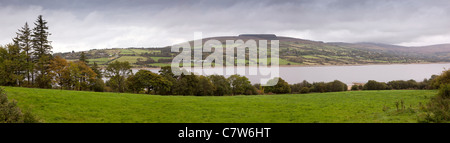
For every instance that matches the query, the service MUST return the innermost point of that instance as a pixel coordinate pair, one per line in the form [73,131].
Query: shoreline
[424,63]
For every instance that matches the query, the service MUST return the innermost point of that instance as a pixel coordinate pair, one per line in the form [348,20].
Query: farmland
[292,51]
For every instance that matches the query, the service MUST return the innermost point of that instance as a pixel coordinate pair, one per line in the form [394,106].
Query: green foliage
[221,85]
[299,87]
[98,85]
[240,85]
[355,87]
[191,84]
[444,78]
[304,90]
[438,109]
[374,85]
[336,86]
[79,76]
[97,71]
[42,52]
[444,91]
[166,73]
[280,87]
[41,45]
[11,113]
[204,87]
[11,66]
[83,58]
[43,76]
[118,72]
[186,84]
[24,42]
[401,84]
[150,81]
[320,87]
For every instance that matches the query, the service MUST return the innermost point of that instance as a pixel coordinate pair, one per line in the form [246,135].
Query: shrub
[319,87]
[10,113]
[221,85]
[336,86]
[281,87]
[444,78]
[438,109]
[401,84]
[164,60]
[444,91]
[304,90]
[98,86]
[374,85]
[355,87]
[296,88]
[241,85]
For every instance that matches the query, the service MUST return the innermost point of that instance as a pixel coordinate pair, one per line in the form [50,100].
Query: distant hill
[434,53]
[293,51]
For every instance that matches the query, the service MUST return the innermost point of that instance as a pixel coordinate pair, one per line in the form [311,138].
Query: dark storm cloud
[82,24]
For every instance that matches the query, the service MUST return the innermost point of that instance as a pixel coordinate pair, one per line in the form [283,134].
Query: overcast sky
[88,24]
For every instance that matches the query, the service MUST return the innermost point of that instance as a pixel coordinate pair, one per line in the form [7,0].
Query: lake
[351,74]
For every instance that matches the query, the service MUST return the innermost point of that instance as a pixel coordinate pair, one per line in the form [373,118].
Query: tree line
[25,62]
[28,62]
[398,85]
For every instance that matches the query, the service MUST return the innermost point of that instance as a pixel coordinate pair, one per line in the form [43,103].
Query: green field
[140,51]
[157,58]
[131,59]
[161,64]
[355,106]
[99,60]
[126,51]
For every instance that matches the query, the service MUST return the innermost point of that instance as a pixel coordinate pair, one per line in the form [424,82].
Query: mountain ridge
[293,51]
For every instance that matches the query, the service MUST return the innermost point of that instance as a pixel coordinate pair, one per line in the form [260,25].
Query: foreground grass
[357,106]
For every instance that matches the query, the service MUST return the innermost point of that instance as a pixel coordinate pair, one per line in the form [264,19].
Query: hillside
[56,106]
[433,53]
[293,51]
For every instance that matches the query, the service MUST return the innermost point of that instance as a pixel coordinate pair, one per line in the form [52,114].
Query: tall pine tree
[24,41]
[42,52]
[83,58]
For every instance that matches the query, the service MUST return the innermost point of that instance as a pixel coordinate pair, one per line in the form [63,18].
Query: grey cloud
[82,25]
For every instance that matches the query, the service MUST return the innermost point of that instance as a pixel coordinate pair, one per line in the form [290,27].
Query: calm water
[350,74]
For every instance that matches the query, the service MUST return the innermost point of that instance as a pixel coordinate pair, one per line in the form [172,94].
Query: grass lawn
[356,106]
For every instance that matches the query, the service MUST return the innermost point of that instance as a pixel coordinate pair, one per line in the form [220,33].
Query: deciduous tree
[118,72]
